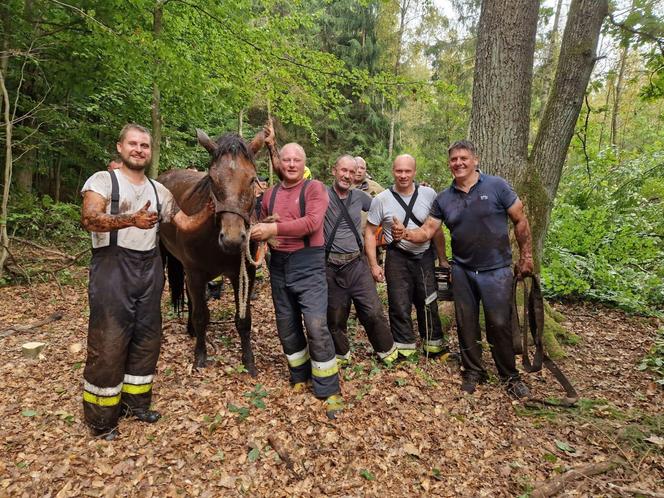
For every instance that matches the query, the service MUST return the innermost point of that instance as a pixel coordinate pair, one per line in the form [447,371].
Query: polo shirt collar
[453,186]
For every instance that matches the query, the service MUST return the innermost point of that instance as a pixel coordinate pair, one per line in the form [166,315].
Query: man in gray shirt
[348,276]
[409,266]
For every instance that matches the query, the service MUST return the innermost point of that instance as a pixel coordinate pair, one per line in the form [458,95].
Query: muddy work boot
[517,389]
[333,406]
[105,434]
[147,416]
[470,382]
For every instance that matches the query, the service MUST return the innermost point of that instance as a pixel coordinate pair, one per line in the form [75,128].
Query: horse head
[231,178]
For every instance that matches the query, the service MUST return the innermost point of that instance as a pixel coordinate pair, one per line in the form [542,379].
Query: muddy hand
[145,219]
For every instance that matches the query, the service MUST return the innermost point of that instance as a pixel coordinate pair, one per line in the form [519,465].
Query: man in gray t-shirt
[409,267]
[348,276]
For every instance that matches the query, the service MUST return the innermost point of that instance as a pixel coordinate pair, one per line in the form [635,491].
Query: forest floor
[407,429]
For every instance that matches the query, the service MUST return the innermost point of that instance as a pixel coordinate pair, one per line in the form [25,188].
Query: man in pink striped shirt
[297,274]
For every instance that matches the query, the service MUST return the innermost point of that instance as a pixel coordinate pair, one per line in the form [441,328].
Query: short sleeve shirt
[477,221]
[132,198]
[344,238]
[385,206]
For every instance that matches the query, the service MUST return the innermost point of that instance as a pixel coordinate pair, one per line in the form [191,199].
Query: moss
[556,315]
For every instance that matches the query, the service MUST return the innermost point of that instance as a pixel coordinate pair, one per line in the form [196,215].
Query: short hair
[298,146]
[360,159]
[345,156]
[133,126]
[462,144]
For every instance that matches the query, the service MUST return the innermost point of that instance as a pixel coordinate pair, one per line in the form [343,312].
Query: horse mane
[229,143]
[232,143]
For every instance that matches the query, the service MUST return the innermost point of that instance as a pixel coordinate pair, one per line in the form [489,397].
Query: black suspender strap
[156,195]
[305,239]
[344,214]
[115,206]
[273,198]
[408,208]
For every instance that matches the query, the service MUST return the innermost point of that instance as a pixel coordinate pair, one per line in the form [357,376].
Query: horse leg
[243,325]
[199,315]
[190,324]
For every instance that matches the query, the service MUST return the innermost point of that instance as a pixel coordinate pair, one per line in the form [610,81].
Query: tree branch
[641,34]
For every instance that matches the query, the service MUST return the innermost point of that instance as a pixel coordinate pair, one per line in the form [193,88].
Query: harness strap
[156,195]
[305,239]
[115,206]
[273,198]
[533,318]
[408,208]
[344,214]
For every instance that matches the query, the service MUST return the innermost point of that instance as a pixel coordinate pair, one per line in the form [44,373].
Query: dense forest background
[366,77]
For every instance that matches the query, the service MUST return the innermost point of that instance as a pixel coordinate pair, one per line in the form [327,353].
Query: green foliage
[605,240]
[43,219]
[654,360]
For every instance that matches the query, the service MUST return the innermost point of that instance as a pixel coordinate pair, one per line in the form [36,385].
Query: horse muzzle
[233,232]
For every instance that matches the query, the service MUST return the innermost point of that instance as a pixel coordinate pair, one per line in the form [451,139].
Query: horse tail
[175,279]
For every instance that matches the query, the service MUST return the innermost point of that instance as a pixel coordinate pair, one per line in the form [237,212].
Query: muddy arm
[95,219]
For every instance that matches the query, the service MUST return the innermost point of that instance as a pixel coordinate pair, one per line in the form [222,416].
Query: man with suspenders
[122,209]
[409,267]
[348,276]
[297,274]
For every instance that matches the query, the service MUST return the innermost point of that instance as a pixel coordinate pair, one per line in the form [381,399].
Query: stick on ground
[553,486]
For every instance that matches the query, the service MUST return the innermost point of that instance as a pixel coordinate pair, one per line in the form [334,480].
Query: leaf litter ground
[406,431]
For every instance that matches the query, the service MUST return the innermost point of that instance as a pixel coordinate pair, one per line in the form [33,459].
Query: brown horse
[218,247]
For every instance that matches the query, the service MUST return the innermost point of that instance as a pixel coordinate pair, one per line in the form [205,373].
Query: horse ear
[205,141]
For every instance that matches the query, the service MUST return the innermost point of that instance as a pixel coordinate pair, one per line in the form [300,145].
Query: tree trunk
[609,90]
[393,120]
[617,94]
[551,53]
[575,64]
[500,116]
[502,88]
[404,7]
[4,238]
[155,111]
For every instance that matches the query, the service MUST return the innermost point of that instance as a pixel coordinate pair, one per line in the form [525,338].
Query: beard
[133,165]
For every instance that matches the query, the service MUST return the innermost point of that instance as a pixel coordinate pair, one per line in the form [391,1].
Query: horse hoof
[251,370]
[201,362]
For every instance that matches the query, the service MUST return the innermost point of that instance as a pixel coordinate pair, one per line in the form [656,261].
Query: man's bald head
[293,146]
[404,160]
[292,159]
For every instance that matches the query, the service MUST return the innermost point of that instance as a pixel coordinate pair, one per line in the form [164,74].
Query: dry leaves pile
[406,431]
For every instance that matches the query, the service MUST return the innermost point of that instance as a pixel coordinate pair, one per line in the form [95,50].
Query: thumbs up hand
[397,229]
[145,219]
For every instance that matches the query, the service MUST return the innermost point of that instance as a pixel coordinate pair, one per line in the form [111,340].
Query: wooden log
[553,486]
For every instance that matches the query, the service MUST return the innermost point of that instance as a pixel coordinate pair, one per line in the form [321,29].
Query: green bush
[654,360]
[43,220]
[605,237]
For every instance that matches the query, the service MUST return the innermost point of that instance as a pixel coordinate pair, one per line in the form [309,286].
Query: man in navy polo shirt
[475,208]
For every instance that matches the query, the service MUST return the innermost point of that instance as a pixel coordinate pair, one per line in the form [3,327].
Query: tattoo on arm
[95,219]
